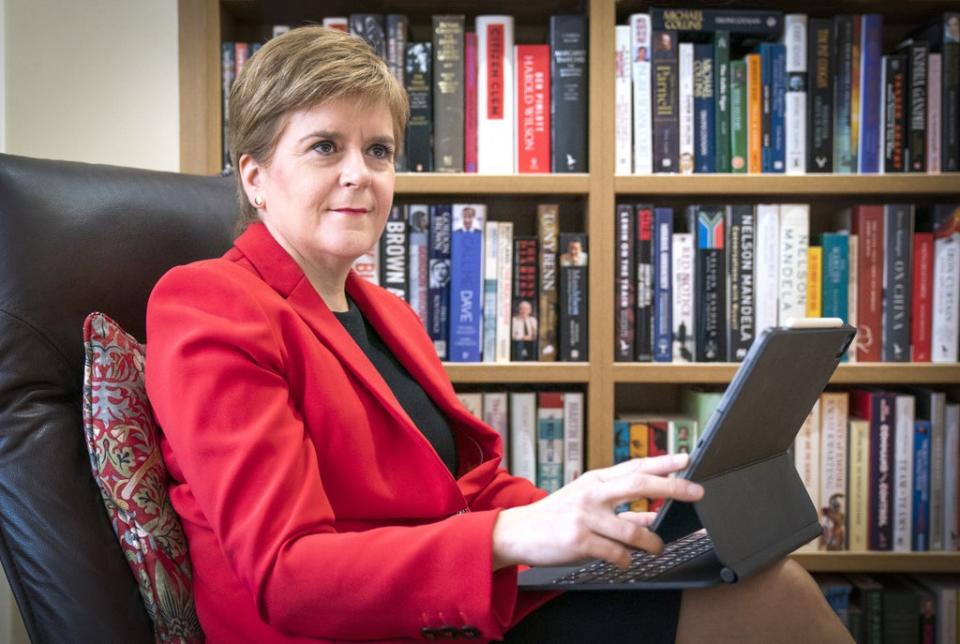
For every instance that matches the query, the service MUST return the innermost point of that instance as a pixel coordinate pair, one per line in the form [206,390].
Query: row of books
[700,286]
[755,91]
[483,293]
[883,466]
[233,57]
[896,609]
[542,432]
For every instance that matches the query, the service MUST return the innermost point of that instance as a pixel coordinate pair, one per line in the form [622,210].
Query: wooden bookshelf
[879,562]
[532,373]
[846,374]
[490,184]
[816,186]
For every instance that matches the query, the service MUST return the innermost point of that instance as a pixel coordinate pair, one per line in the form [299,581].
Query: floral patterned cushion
[125,457]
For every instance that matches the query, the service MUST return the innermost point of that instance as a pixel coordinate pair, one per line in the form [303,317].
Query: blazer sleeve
[215,377]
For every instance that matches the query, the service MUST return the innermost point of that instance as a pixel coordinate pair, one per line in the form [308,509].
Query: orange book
[814,281]
[639,446]
[754,114]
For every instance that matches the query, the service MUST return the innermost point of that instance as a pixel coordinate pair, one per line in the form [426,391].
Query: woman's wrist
[502,553]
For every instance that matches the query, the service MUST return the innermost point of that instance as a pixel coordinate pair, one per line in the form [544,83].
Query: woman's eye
[381,151]
[325,147]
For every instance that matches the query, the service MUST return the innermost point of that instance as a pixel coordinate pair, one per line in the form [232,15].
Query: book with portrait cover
[466,282]
[524,330]
[418,288]
[625,286]
[666,102]
[644,261]
[568,97]
[370,27]
[394,263]
[448,57]
[572,332]
[419,83]
[441,219]
[548,227]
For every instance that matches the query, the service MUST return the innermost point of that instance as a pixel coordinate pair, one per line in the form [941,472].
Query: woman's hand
[578,521]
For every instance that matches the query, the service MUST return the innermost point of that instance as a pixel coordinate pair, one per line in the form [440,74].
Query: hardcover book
[868,226]
[504,309]
[523,435]
[448,137]
[684,297]
[868,152]
[894,86]
[685,94]
[741,234]
[533,108]
[946,286]
[834,410]
[820,96]
[394,264]
[844,79]
[568,42]
[710,282]
[898,241]
[470,106]
[806,458]
[858,505]
[662,285]
[740,21]
[491,270]
[922,290]
[934,112]
[917,62]
[903,455]
[738,116]
[418,288]
[572,435]
[441,220]
[877,407]
[524,329]
[397,26]
[495,95]
[931,406]
[466,283]
[419,84]
[548,227]
[666,102]
[622,121]
[721,93]
[794,241]
[814,281]
[704,108]
[920,524]
[755,120]
[645,283]
[795,106]
[550,440]
[836,275]
[495,415]
[625,287]
[642,99]
[767,265]
[573,297]
[367,265]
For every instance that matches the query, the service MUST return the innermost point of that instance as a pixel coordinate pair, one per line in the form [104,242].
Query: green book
[738,116]
[721,92]
[699,404]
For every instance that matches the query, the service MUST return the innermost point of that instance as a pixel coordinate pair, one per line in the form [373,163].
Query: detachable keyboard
[643,566]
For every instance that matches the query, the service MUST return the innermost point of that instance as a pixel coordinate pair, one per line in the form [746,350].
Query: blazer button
[449,632]
[469,632]
[428,633]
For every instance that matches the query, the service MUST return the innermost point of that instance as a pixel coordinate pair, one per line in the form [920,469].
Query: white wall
[94,80]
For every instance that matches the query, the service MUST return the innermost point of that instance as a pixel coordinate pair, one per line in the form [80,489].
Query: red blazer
[313,506]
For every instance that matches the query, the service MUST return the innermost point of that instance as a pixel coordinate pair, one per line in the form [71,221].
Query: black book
[626,286]
[644,321]
[573,297]
[768,24]
[448,89]
[397,26]
[568,92]
[894,113]
[897,278]
[419,83]
[710,282]
[820,72]
[438,263]
[394,253]
[741,247]
[666,112]
[526,282]
[942,37]
[370,27]
[916,111]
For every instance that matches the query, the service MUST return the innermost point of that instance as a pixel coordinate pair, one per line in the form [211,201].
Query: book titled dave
[466,282]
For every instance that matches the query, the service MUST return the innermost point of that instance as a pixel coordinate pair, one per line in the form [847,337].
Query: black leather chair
[76,238]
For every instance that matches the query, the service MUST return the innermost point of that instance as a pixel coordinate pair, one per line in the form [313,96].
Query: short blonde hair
[304,67]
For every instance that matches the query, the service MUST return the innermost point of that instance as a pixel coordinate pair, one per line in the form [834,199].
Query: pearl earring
[258,201]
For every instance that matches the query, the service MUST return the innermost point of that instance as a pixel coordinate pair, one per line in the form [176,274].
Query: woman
[330,484]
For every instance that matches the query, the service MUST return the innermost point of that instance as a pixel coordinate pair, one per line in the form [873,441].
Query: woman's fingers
[638,485]
[625,531]
[660,465]
[642,519]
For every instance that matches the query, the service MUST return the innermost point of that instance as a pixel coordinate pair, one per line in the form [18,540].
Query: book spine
[470,105]
[721,93]
[741,235]
[868,225]
[228,73]
[504,289]
[473,402]
[820,96]
[621,441]
[533,108]
[441,219]
[710,284]
[369,26]
[448,93]
[642,98]
[495,87]
[920,323]
[339,23]
[754,22]
[682,433]
[934,119]
[795,42]
[868,152]
[548,227]
[946,285]
[950,96]
[767,265]
[881,471]
[523,435]
[394,267]
[814,282]
[704,107]
[794,240]
[495,414]
[778,92]
[917,129]
[662,286]
[568,43]
[853,292]
[657,444]
[806,458]
[836,275]
[645,283]
[895,317]
[550,441]
[666,102]
[573,415]
[754,114]
[903,473]
[894,121]
[738,116]
[833,474]
[419,83]
[367,265]
[685,68]
[843,28]
[466,282]
[626,285]
[951,469]
[418,287]
[684,297]
[639,446]
[523,325]
[623,102]
[858,503]
[856,88]
[397,28]
[935,409]
[491,269]
[573,297]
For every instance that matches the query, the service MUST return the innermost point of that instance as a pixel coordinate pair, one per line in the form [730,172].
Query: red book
[868,224]
[470,102]
[921,323]
[533,108]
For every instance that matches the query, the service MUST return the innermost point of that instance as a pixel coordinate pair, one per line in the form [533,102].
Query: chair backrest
[76,238]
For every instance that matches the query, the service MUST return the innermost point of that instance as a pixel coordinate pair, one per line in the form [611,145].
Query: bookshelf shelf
[725,185]
[530,372]
[879,562]
[846,374]
[437,183]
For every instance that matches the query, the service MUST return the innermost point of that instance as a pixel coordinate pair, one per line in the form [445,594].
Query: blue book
[773,69]
[704,108]
[662,285]
[438,307]
[621,450]
[869,155]
[836,276]
[921,485]
[466,283]
[844,154]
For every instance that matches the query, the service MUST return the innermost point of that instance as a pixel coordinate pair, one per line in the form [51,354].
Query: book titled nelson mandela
[737,21]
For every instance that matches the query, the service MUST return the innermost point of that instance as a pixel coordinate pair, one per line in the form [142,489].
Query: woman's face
[327,190]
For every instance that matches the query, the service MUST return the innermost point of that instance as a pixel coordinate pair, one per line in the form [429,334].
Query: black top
[414,400]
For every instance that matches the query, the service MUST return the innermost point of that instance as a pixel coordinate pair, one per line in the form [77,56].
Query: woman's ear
[253,178]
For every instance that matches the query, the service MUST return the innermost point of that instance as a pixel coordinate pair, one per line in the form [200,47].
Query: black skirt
[647,617]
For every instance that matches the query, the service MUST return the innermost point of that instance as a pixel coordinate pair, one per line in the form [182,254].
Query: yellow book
[754,114]
[639,448]
[814,281]
[859,484]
